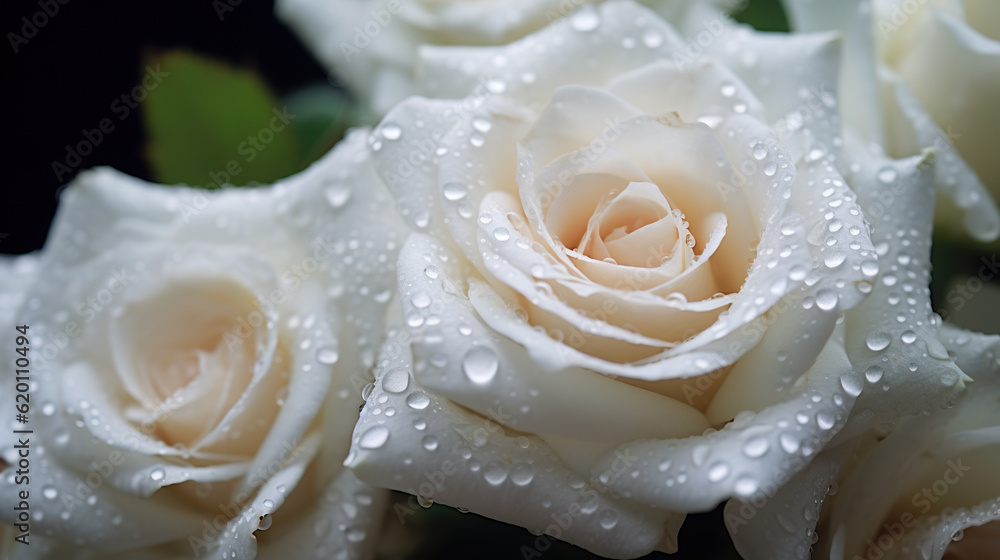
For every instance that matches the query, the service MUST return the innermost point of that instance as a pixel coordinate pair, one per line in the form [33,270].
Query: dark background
[65,78]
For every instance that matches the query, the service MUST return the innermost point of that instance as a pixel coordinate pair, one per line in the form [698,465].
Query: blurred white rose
[623,242]
[196,359]
[929,490]
[925,74]
[373,45]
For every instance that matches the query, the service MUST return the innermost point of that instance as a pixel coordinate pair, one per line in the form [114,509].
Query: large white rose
[373,45]
[929,490]
[196,364]
[624,298]
[924,73]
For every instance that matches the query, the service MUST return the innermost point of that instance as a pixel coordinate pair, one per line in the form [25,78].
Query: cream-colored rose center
[637,228]
[186,354]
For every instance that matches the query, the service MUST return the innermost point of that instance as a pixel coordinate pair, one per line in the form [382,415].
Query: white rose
[372,45]
[196,359]
[925,73]
[615,252]
[929,490]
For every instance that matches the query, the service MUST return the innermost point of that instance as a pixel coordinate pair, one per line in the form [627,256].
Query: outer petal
[892,339]
[412,440]
[749,455]
[957,447]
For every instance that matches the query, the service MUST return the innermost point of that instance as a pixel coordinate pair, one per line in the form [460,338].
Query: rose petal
[958,445]
[574,53]
[785,524]
[748,455]
[858,91]
[456,359]
[794,76]
[948,56]
[892,339]
[474,463]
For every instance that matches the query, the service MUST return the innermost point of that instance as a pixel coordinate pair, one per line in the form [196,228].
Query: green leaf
[322,115]
[763,15]
[210,124]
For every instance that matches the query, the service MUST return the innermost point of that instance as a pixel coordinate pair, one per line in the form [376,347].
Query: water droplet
[268,504]
[759,151]
[374,438]
[826,299]
[745,486]
[608,519]
[430,443]
[521,474]
[789,443]
[585,19]
[482,123]
[391,131]
[718,471]
[338,195]
[770,168]
[480,365]
[157,474]
[454,191]
[908,337]
[887,174]
[874,373]
[327,356]
[50,493]
[756,447]
[395,380]
[501,234]
[852,385]
[418,401]
[878,341]
[652,39]
[824,421]
[495,473]
[420,300]
[728,90]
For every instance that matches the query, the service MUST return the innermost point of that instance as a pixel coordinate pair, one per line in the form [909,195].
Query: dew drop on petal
[521,474]
[454,191]
[495,473]
[756,447]
[718,471]
[418,401]
[585,19]
[878,341]
[327,356]
[608,519]
[395,380]
[374,438]
[391,131]
[480,365]
[338,195]
[874,373]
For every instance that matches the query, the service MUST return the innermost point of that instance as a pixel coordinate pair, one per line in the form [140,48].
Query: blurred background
[87,88]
